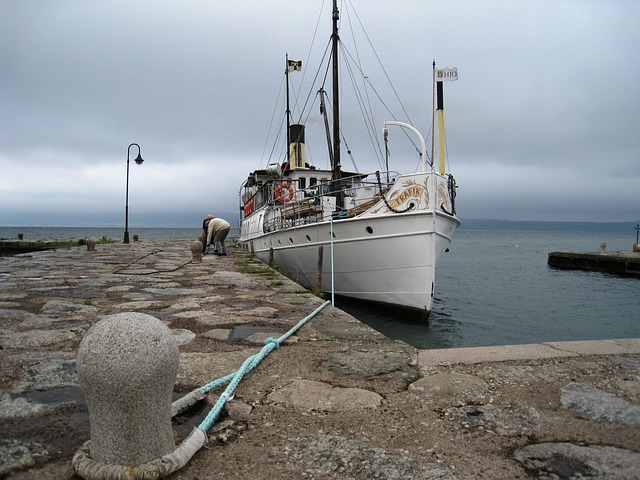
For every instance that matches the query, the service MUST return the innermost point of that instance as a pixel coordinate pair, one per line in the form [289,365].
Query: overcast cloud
[542,124]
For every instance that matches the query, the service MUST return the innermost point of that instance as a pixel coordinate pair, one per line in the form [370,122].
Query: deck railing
[318,202]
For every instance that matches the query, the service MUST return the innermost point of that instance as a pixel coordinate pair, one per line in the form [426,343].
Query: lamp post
[138,161]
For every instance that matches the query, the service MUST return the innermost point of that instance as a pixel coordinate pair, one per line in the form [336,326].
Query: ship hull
[389,259]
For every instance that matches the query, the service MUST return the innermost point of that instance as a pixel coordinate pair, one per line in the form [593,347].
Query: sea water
[113,233]
[495,288]
[492,288]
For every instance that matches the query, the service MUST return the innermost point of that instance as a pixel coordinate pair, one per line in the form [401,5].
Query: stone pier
[336,400]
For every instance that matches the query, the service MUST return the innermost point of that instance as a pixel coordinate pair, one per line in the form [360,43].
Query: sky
[541,125]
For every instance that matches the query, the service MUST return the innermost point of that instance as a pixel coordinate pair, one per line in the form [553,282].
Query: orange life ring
[284,197]
[248,208]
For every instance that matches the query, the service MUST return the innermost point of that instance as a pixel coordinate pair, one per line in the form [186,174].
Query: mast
[433,109]
[440,115]
[286,74]
[335,38]
[442,75]
[327,131]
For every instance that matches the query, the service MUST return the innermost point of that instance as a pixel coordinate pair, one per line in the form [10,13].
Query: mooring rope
[153,252]
[91,469]
[249,364]
[409,207]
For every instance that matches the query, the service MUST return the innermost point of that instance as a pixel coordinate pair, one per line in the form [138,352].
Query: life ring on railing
[248,208]
[285,196]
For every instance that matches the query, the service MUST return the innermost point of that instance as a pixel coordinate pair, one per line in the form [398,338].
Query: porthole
[291,239]
[279,242]
[308,238]
[369,230]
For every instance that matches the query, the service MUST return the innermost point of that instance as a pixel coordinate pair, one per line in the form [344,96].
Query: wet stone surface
[550,461]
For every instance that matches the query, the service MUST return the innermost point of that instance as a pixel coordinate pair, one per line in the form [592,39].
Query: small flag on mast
[447,74]
[294,65]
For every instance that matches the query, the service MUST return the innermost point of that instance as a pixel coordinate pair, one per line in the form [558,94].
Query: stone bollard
[636,247]
[127,366]
[136,238]
[603,247]
[91,244]
[196,251]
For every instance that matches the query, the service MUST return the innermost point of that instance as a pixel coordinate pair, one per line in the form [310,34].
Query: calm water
[495,288]
[117,233]
[492,288]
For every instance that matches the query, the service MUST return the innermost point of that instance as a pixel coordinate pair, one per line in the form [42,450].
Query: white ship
[375,237]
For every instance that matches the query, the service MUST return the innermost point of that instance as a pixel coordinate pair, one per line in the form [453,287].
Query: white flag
[447,74]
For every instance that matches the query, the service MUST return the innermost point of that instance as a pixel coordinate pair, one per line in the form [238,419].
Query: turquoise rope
[249,364]
[333,275]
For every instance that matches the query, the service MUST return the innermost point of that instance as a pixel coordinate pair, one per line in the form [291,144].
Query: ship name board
[414,191]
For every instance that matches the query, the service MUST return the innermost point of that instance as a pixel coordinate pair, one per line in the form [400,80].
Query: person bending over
[218,229]
[203,235]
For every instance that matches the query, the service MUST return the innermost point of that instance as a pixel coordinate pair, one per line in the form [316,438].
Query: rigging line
[418,162]
[304,71]
[307,60]
[273,117]
[347,53]
[404,132]
[342,135]
[346,144]
[351,157]
[276,142]
[367,112]
[359,65]
[365,106]
[368,121]
[311,90]
[315,80]
[307,107]
[381,65]
[368,124]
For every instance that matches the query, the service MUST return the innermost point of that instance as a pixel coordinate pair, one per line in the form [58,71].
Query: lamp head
[139,159]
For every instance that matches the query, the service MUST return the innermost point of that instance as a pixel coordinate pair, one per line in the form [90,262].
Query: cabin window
[302,183]
[313,181]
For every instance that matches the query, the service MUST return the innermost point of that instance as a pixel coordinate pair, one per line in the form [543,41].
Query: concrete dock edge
[532,351]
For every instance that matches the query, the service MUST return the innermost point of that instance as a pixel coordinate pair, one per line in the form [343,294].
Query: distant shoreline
[548,226]
[467,224]
[74,233]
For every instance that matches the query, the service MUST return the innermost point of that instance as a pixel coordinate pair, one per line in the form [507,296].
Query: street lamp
[139,161]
